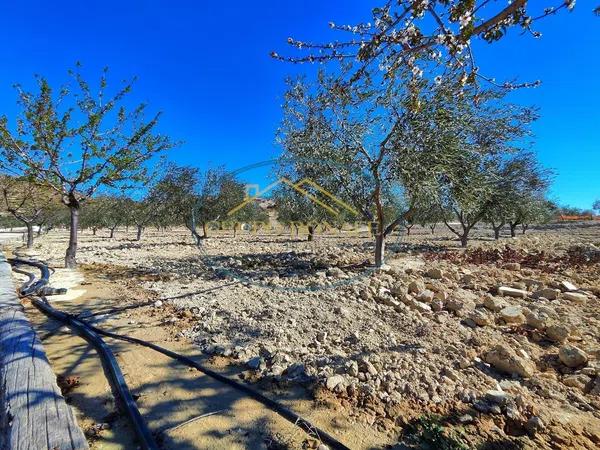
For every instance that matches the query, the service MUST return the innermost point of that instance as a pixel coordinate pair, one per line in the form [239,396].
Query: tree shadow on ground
[169,394]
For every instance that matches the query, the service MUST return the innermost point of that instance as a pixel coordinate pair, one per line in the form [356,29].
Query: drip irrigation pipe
[32,287]
[87,329]
[109,362]
[248,390]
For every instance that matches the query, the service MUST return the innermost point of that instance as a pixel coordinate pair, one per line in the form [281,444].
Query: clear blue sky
[207,66]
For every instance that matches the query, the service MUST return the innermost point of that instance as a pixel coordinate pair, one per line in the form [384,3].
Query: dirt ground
[403,356]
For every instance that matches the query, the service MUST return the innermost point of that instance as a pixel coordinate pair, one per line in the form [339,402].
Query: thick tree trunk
[112,232]
[29,234]
[496,233]
[140,229]
[204,233]
[94,229]
[513,229]
[235,228]
[311,232]
[464,236]
[70,257]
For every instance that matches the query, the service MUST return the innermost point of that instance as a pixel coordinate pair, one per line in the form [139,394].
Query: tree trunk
[112,233]
[496,233]
[138,237]
[464,239]
[204,234]
[311,232]
[94,229]
[464,236]
[235,228]
[39,230]
[379,249]
[432,227]
[524,228]
[296,227]
[513,229]
[408,228]
[70,257]
[29,226]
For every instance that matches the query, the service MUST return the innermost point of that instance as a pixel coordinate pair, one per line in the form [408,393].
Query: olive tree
[77,140]
[295,209]
[343,137]
[520,183]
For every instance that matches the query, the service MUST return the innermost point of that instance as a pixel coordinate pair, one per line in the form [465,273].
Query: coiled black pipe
[85,328]
[30,287]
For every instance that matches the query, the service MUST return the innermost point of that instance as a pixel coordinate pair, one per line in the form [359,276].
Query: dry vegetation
[429,333]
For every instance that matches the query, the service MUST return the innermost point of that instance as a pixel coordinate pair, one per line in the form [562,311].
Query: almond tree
[413,34]
[77,140]
[27,201]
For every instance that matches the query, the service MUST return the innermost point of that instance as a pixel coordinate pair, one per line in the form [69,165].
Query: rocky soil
[500,342]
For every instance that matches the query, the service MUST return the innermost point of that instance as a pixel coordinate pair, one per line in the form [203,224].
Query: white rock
[572,356]
[576,297]
[512,314]
[567,286]
[512,292]
[334,381]
[504,359]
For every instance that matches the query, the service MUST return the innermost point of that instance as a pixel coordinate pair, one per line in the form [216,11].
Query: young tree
[176,191]
[519,184]
[295,209]
[27,201]
[458,146]
[342,137]
[77,140]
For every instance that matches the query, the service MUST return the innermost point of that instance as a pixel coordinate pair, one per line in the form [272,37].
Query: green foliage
[428,433]
[79,139]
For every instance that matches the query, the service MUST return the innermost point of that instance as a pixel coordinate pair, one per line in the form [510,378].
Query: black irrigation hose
[30,287]
[109,362]
[251,392]
[112,368]
[90,333]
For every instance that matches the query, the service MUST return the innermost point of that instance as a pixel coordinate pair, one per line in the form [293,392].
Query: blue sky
[206,65]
